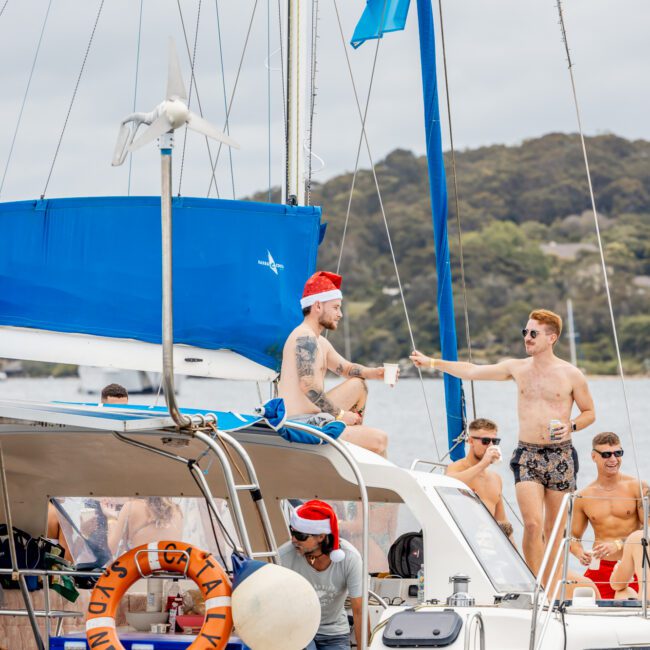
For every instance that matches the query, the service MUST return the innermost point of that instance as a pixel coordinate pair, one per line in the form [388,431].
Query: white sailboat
[478,592]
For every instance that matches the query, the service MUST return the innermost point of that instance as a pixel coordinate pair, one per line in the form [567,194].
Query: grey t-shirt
[332,585]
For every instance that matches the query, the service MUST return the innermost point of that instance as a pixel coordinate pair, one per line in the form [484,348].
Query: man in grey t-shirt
[333,568]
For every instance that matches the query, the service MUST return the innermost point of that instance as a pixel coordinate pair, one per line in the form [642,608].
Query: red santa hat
[317,517]
[321,287]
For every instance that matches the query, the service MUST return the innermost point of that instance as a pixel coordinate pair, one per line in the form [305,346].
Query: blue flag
[379,17]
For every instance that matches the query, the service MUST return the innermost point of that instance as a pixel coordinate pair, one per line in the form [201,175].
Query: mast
[293,191]
[572,332]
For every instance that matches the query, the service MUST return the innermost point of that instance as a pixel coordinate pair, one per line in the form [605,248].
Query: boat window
[498,557]
[386,522]
[96,531]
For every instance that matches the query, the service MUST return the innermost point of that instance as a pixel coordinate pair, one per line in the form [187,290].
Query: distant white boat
[3,375]
[93,380]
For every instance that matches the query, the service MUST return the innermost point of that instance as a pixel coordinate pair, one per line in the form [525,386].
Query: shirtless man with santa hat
[306,358]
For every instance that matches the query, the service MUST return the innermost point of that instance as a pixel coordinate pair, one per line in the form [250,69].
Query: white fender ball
[275,608]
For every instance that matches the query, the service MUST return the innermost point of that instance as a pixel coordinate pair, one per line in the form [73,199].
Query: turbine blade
[204,127]
[158,127]
[119,153]
[175,85]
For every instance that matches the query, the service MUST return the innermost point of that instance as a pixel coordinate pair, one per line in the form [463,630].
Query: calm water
[401,411]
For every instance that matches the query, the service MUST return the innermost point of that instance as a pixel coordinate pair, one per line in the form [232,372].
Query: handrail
[542,568]
[477,616]
[14,557]
[560,585]
[644,583]
[422,461]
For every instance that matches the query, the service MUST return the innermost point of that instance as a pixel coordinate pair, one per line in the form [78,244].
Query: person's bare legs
[367,437]
[552,503]
[577,580]
[530,497]
[352,395]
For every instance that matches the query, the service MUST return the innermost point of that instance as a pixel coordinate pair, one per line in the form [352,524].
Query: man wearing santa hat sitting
[306,358]
[332,566]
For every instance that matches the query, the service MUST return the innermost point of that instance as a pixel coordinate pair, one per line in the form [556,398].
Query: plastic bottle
[175,604]
[421,584]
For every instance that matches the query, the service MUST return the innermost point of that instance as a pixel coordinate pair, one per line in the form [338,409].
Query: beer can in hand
[554,428]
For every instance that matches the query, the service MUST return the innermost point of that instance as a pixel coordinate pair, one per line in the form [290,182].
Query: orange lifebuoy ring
[141,562]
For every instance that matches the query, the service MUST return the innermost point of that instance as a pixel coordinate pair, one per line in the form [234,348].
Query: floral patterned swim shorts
[553,466]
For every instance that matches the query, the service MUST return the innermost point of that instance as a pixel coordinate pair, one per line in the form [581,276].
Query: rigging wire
[268,96]
[457,205]
[364,137]
[4,6]
[600,243]
[196,85]
[234,90]
[74,95]
[29,81]
[189,95]
[225,98]
[135,88]
[312,92]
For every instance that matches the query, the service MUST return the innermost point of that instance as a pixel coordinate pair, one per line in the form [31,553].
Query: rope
[225,101]
[363,137]
[457,205]
[189,95]
[600,246]
[234,90]
[135,87]
[198,97]
[74,95]
[4,6]
[29,81]
[312,92]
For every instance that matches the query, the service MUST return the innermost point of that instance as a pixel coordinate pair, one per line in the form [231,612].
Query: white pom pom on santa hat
[315,518]
[321,287]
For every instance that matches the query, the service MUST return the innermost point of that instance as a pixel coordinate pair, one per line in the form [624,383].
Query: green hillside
[529,240]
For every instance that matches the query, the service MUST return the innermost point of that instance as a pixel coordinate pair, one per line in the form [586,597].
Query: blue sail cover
[378,18]
[438,189]
[93,266]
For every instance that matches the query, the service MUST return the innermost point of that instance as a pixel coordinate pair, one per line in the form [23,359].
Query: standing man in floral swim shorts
[548,387]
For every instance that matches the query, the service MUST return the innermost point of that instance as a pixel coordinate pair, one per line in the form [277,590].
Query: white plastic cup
[390,373]
[594,565]
[500,458]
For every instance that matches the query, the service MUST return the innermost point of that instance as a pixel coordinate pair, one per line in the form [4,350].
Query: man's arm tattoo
[355,370]
[323,403]
[339,370]
[306,348]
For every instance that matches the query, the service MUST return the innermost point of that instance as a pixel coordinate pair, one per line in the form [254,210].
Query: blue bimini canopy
[93,266]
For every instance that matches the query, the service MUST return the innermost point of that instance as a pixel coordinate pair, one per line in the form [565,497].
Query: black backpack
[406,555]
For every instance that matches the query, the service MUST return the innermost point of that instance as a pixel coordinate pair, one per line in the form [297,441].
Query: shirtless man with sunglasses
[482,451]
[612,505]
[548,388]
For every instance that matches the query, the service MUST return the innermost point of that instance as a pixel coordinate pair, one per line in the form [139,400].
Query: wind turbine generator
[165,118]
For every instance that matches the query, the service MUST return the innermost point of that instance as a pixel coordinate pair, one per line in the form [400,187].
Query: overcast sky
[507,73]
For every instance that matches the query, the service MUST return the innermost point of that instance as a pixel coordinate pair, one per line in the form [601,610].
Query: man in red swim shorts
[612,505]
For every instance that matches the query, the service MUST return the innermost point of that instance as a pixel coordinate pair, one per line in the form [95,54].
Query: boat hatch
[497,556]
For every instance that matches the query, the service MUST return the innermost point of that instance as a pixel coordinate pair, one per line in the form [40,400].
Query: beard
[328,323]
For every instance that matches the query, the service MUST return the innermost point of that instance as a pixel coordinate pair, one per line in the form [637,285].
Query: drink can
[554,426]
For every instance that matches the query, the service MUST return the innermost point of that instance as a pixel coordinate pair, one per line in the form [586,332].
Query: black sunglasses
[533,333]
[301,537]
[487,441]
[608,454]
